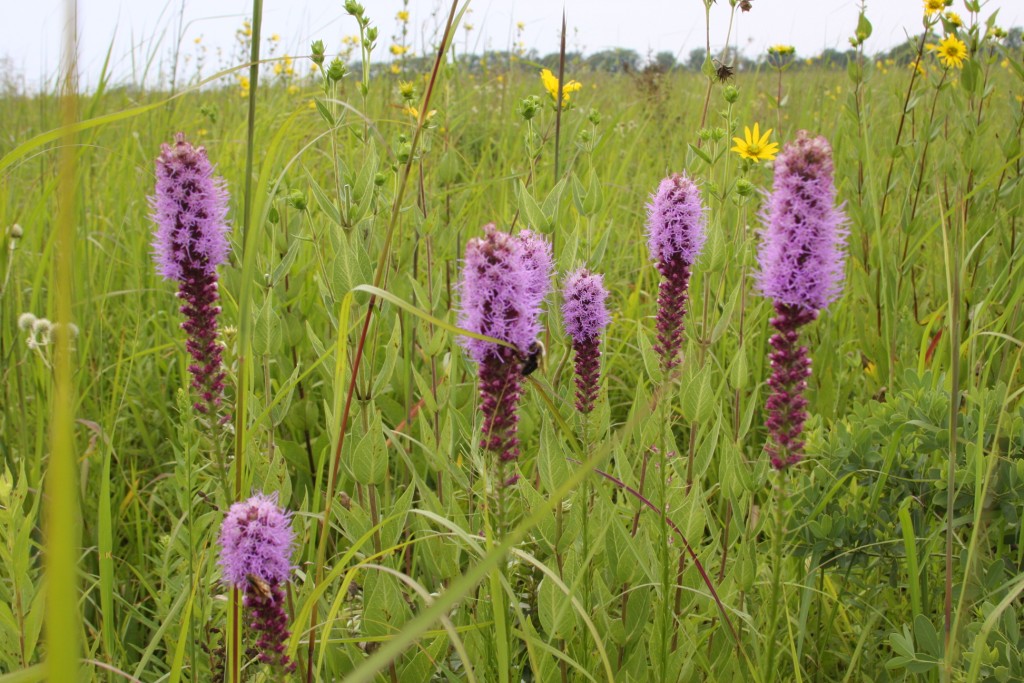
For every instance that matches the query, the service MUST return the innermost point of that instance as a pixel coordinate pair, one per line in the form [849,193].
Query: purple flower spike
[585,315]
[801,268]
[504,281]
[801,253]
[675,237]
[256,543]
[190,241]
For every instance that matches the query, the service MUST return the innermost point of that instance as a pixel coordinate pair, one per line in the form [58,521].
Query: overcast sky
[30,29]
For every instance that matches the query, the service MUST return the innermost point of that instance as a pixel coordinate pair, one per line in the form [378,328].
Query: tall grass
[642,543]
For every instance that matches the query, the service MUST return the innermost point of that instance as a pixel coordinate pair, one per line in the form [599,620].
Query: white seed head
[41,327]
[26,321]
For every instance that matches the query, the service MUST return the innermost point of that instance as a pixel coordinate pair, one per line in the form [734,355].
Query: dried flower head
[801,256]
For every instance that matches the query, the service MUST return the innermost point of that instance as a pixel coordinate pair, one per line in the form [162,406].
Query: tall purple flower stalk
[801,269]
[190,211]
[675,237]
[585,315]
[256,543]
[505,279]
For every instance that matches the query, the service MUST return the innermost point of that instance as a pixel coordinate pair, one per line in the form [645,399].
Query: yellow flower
[243,86]
[550,82]
[293,89]
[201,132]
[403,16]
[398,50]
[954,19]
[951,51]
[311,104]
[275,37]
[395,69]
[415,113]
[198,40]
[756,147]
[407,89]
[781,50]
[520,26]
[933,6]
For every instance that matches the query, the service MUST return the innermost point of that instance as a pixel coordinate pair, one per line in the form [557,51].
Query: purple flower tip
[583,309]
[675,221]
[505,279]
[190,211]
[256,538]
[801,256]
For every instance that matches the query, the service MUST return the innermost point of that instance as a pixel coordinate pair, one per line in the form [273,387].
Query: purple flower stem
[791,366]
[270,623]
[672,299]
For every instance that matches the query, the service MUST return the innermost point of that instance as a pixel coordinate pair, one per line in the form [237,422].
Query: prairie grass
[651,541]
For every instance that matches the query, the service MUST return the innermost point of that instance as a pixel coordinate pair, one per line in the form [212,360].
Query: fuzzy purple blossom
[585,315]
[256,545]
[675,237]
[801,254]
[505,279]
[801,269]
[190,211]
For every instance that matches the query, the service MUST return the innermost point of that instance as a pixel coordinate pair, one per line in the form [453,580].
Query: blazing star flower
[504,281]
[190,211]
[951,51]
[801,269]
[675,237]
[256,544]
[585,315]
[755,146]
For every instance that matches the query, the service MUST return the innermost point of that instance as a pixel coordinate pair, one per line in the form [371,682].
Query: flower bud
[336,71]
[317,48]
[731,93]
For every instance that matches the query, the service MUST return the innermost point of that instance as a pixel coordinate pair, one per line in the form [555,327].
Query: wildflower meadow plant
[190,212]
[801,269]
[505,279]
[585,315]
[675,237]
[256,543]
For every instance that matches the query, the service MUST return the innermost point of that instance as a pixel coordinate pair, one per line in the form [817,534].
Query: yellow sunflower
[933,6]
[951,51]
[756,147]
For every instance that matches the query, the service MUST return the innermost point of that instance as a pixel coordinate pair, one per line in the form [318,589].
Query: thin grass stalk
[951,255]
[559,96]
[377,278]
[245,326]
[63,623]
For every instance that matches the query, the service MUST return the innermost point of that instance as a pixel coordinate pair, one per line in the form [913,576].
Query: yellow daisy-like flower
[275,37]
[933,6]
[398,50]
[403,16]
[415,113]
[756,146]
[781,50]
[293,89]
[951,51]
[550,82]
[954,19]
[395,69]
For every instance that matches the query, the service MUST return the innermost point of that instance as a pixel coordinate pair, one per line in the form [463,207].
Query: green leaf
[700,153]
[266,335]
[370,458]
[864,27]
[555,610]
[324,111]
[530,209]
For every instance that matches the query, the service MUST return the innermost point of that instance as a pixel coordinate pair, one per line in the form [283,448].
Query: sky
[134,30]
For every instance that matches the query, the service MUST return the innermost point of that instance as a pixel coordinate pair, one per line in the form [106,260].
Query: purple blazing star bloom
[190,241]
[256,544]
[801,268]
[585,315]
[675,237]
[801,253]
[504,282]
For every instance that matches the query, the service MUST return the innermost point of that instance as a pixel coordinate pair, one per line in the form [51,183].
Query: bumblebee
[532,359]
[260,587]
